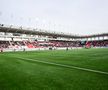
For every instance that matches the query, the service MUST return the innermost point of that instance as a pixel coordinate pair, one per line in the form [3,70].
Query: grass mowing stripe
[63,65]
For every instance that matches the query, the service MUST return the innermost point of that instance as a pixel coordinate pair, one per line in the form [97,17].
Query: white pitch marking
[63,65]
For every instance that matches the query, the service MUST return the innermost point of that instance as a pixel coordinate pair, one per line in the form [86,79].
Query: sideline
[63,65]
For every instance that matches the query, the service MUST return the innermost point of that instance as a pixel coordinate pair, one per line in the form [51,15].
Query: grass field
[85,69]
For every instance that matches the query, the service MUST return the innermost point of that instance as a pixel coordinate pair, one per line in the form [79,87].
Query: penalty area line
[63,65]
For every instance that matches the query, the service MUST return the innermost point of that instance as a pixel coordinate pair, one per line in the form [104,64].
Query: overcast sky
[70,16]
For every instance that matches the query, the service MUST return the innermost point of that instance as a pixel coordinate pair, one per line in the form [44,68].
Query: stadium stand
[12,38]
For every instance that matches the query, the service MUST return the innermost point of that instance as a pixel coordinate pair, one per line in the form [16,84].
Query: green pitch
[85,69]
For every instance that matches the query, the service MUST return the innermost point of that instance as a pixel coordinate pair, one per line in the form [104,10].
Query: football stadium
[40,59]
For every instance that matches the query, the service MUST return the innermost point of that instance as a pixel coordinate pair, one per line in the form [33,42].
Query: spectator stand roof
[22,30]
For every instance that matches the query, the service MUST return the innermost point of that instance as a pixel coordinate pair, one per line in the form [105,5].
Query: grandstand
[14,38]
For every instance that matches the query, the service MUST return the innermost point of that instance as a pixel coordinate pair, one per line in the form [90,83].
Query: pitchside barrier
[35,49]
